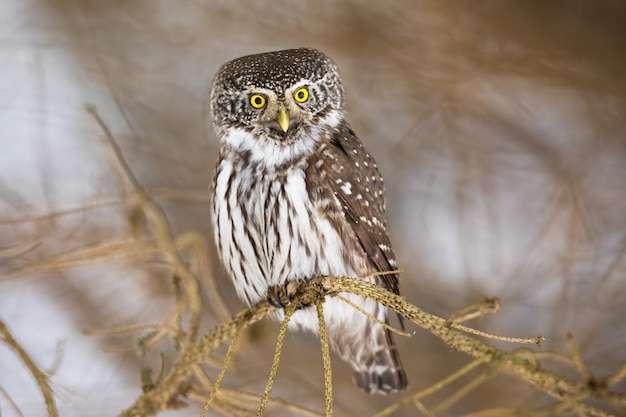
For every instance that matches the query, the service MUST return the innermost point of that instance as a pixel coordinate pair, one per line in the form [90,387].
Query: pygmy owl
[297,195]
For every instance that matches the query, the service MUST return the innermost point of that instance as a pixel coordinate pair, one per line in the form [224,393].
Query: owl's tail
[378,368]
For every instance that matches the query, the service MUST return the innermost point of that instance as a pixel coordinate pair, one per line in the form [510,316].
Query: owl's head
[278,104]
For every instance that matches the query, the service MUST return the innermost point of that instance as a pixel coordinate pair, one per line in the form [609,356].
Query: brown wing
[357,183]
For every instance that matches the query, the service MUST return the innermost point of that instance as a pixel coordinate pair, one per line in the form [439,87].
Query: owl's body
[296,196]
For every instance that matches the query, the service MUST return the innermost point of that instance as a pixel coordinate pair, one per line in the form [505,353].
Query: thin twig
[58,358]
[464,391]
[431,389]
[159,222]
[577,357]
[617,376]
[422,409]
[555,385]
[328,374]
[371,317]
[18,249]
[525,340]
[12,403]
[220,376]
[289,310]
[168,389]
[485,306]
[40,377]
[85,255]
[241,396]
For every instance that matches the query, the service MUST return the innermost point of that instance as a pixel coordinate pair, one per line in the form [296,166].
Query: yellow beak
[283,118]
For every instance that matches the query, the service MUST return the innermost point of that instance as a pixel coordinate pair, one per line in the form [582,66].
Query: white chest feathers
[268,231]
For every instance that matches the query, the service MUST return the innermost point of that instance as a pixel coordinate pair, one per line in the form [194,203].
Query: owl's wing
[357,183]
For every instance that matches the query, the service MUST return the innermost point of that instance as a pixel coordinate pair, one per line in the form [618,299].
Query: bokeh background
[499,126]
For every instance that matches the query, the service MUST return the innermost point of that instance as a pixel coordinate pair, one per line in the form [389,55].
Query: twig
[12,403]
[422,409]
[289,310]
[220,376]
[617,376]
[40,377]
[485,306]
[168,389]
[19,249]
[240,397]
[371,317]
[328,375]
[577,357]
[160,224]
[430,390]
[555,385]
[526,340]
[464,390]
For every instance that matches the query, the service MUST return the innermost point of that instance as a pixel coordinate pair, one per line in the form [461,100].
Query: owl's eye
[257,101]
[301,95]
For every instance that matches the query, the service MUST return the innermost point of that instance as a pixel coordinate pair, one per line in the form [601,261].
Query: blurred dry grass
[499,128]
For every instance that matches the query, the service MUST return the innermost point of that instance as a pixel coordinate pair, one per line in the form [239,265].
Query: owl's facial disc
[277,103]
[281,114]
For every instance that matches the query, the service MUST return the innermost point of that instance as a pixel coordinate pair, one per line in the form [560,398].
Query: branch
[40,377]
[520,364]
[160,225]
[167,390]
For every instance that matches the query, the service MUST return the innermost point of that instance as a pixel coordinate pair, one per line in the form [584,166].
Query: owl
[296,195]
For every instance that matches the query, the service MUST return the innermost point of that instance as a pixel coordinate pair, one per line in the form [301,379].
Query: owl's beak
[283,118]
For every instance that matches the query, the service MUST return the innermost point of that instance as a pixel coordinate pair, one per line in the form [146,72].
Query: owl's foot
[280,296]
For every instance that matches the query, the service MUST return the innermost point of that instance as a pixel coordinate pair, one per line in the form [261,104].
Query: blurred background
[499,127]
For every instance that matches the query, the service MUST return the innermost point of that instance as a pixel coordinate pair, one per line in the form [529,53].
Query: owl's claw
[280,296]
[274,297]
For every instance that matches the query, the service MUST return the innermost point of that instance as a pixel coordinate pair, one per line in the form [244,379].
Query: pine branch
[519,363]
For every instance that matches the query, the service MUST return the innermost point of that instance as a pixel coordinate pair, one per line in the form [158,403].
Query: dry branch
[40,377]
[515,363]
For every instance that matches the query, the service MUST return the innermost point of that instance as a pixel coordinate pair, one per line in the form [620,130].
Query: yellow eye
[301,95]
[257,101]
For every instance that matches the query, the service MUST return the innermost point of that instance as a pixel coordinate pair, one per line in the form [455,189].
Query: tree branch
[520,364]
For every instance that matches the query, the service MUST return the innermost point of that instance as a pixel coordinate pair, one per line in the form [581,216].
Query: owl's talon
[290,291]
[273,298]
[277,298]
[280,296]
